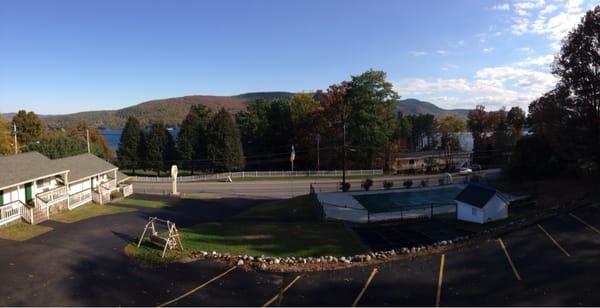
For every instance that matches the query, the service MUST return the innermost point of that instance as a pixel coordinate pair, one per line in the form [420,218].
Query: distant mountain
[413,106]
[170,110]
[173,110]
[249,97]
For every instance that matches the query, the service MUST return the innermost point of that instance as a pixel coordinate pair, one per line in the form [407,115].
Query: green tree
[29,127]
[160,147]
[191,140]
[307,125]
[516,120]
[450,128]
[224,143]
[266,128]
[128,153]
[6,140]
[578,67]
[56,144]
[80,132]
[373,113]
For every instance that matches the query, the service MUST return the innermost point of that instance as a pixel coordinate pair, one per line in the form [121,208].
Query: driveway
[83,264]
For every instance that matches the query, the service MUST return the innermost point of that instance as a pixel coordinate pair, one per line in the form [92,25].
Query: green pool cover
[393,201]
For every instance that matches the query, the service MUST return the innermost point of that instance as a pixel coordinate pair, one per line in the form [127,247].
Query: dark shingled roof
[19,168]
[83,166]
[476,195]
[121,177]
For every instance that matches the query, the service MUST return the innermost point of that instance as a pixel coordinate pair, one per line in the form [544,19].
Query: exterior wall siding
[465,212]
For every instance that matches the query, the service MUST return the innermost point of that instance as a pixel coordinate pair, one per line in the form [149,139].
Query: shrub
[424,182]
[408,183]
[367,184]
[345,186]
[534,158]
[388,184]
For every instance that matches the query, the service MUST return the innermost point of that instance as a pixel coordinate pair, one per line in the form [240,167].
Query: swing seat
[157,240]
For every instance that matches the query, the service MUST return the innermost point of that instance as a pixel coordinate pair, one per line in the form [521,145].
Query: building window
[474,211]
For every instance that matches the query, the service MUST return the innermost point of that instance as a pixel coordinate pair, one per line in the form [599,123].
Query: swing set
[171,241]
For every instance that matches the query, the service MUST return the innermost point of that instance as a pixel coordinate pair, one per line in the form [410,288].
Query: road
[275,189]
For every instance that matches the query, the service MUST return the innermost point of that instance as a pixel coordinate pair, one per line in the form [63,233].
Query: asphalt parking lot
[390,236]
[553,264]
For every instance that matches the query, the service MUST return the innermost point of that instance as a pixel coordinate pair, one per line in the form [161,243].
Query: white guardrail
[258,174]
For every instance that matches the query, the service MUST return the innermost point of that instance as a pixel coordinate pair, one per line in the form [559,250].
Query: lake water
[113,136]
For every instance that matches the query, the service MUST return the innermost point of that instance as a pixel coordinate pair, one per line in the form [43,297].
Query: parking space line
[438,294]
[364,288]
[554,241]
[585,223]
[509,259]
[280,293]
[197,288]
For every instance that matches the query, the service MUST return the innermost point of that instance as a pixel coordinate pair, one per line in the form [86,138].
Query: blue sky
[69,56]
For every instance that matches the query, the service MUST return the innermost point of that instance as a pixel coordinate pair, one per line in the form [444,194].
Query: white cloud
[448,67]
[526,49]
[552,20]
[441,52]
[494,87]
[501,7]
[542,61]
[418,53]
[488,50]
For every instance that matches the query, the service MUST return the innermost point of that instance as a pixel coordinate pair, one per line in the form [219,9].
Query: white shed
[480,204]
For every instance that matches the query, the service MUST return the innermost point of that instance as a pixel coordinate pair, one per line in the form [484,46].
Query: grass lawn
[89,210]
[22,231]
[155,204]
[279,228]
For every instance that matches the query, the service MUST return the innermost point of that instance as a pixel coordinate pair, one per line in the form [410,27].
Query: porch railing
[80,198]
[11,211]
[54,195]
[109,185]
[127,189]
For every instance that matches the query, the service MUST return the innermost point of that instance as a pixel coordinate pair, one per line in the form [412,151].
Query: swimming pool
[407,200]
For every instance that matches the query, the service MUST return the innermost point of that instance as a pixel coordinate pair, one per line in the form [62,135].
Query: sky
[61,57]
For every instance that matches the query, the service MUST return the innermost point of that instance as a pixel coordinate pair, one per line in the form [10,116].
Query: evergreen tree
[128,153]
[224,144]
[160,147]
[191,140]
[373,114]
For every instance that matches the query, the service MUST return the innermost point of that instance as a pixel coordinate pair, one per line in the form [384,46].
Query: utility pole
[15,133]
[87,133]
[344,157]
[318,136]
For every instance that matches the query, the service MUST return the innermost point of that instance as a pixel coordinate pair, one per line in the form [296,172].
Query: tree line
[565,122]
[33,136]
[260,137]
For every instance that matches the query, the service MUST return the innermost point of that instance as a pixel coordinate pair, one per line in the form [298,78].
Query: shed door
[28,194]
[1,197]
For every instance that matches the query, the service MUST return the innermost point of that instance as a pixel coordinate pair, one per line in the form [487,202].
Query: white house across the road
[480,204]
[33,187]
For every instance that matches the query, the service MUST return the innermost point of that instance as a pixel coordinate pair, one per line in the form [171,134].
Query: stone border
[293,264]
